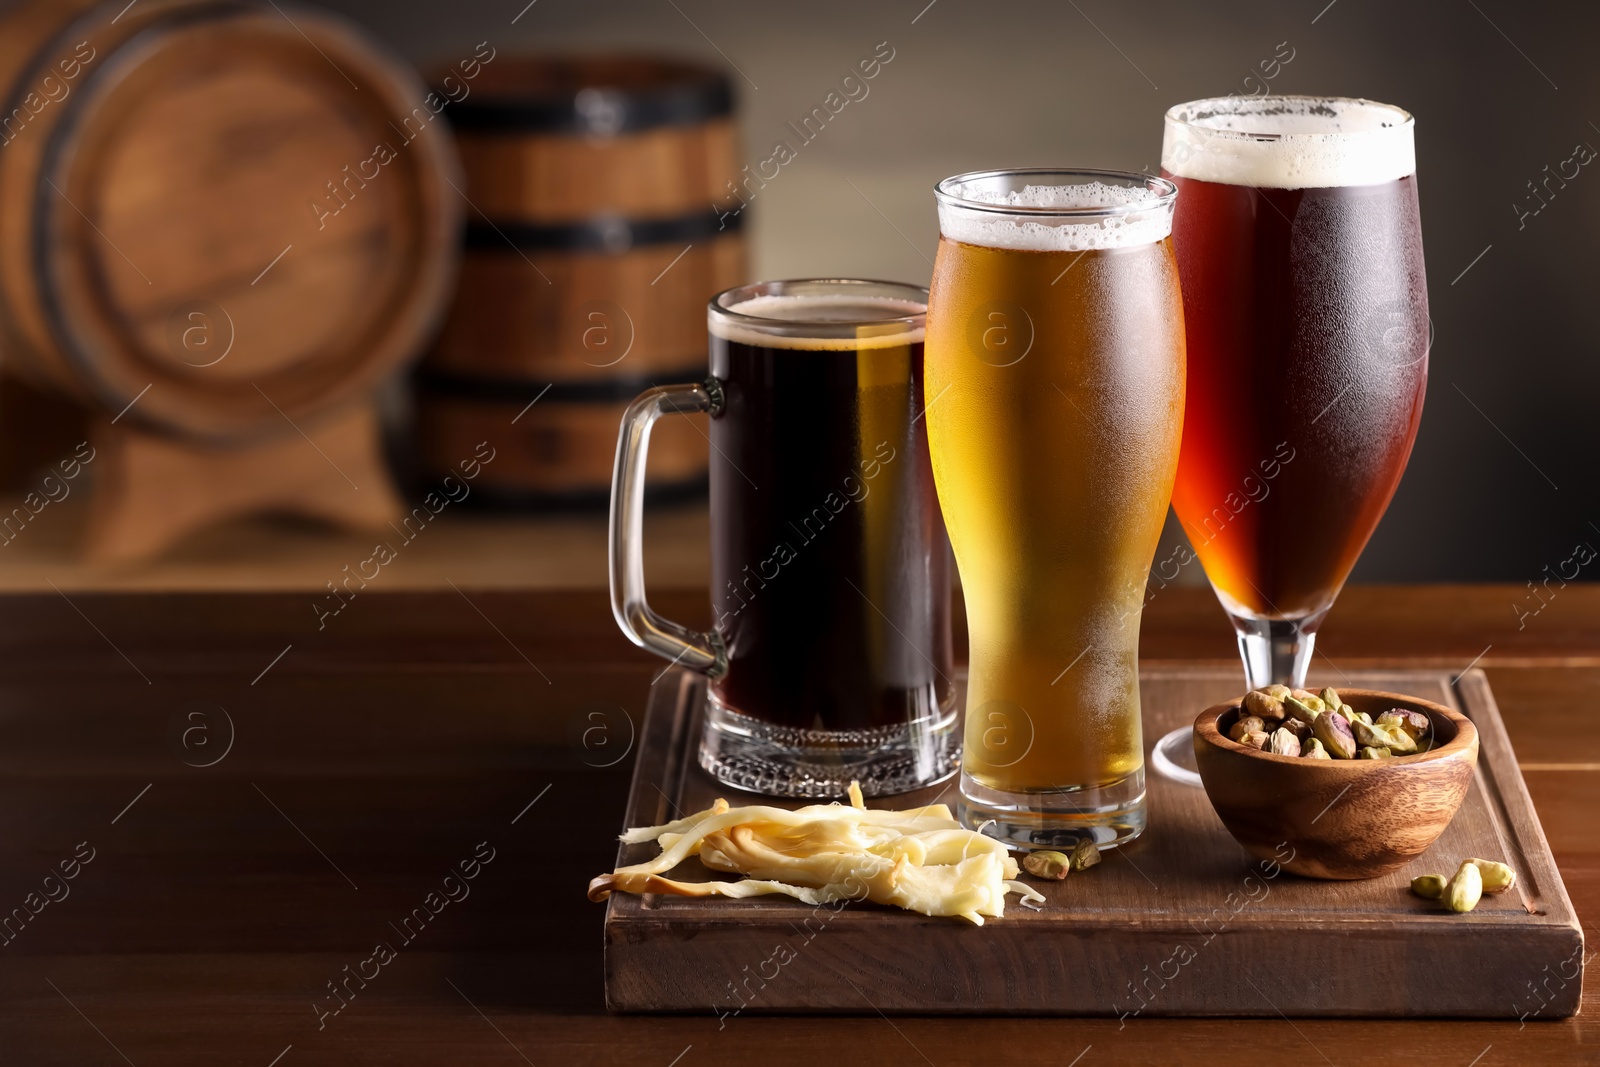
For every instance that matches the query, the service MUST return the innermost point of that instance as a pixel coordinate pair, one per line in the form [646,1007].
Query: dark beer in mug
[829,564]
[830,656]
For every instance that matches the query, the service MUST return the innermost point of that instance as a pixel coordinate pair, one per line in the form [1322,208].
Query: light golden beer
[1055,386]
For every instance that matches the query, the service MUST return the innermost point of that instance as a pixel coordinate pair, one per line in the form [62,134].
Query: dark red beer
[1306,313]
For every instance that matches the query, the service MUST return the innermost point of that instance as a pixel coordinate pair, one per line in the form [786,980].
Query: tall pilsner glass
[1054,385]
[1300,247]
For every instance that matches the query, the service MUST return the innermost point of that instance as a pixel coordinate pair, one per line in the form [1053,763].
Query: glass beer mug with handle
[1055,401]
[1299,245]
[830,657]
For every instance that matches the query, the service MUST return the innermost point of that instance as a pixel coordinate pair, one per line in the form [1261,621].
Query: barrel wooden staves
[593,249]
[224,223]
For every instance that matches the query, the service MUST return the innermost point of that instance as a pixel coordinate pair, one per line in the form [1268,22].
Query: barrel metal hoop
[606,233]
[514,391]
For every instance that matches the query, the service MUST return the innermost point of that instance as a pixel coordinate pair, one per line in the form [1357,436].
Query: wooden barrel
[218,214]
[590,256]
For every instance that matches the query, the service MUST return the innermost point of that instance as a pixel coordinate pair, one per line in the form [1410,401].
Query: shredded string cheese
[920,859]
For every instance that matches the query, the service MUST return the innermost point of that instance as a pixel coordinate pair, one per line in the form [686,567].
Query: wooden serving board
[1182,922]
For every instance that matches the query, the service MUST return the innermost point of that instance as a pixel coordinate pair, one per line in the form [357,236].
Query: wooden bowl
[1338,819]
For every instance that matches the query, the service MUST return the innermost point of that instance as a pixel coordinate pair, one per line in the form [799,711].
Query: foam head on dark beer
[878,314]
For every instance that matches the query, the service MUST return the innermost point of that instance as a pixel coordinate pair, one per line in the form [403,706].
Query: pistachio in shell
[1396,740]
[1052,866]
[1302,710]
[1463,891]
[1429,886]
[1334,733]
[1264,706]
[1284,742]
[1414,723]
[1246,724]
[1497,877]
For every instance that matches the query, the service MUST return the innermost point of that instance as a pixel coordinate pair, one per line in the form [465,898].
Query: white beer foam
[821,309]
[1309,142]
[1046,233]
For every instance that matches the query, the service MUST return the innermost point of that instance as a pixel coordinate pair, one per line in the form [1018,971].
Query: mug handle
[697,650]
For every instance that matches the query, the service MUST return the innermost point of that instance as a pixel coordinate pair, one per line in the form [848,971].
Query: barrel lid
[598,96]
[244,216]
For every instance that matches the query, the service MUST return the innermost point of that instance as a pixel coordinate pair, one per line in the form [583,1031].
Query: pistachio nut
[1414,723]
[1334,733]
[1330,697]
[1285,743]
[1085,854]
[1246,724]
[1299,709]
[1054,866]
[1392,738]
[1256,739]
[1464,890]
[1367,734]
[1430,886]
[1301,694]
[1373,752]
[1301,730]
[1395,739]
[1263,706]
[1278,692]
[1497,877]
[1313,749]
[1359,716]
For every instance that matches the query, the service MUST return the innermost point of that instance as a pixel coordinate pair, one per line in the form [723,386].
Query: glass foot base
[1107,815]
[782,761]
[1173,757]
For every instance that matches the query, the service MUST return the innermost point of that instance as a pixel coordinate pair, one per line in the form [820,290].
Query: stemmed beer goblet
[1299,247]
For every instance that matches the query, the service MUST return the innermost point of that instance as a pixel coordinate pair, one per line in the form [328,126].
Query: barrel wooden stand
[154,490]
[201,246]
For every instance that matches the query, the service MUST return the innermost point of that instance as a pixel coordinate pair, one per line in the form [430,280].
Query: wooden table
[231,885]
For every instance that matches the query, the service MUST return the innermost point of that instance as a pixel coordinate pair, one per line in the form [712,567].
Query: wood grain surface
[414,726]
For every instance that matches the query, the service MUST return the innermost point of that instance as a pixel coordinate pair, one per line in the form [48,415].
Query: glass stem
[1276,651]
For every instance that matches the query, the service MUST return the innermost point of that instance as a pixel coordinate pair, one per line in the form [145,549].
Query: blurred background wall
[1503,479]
